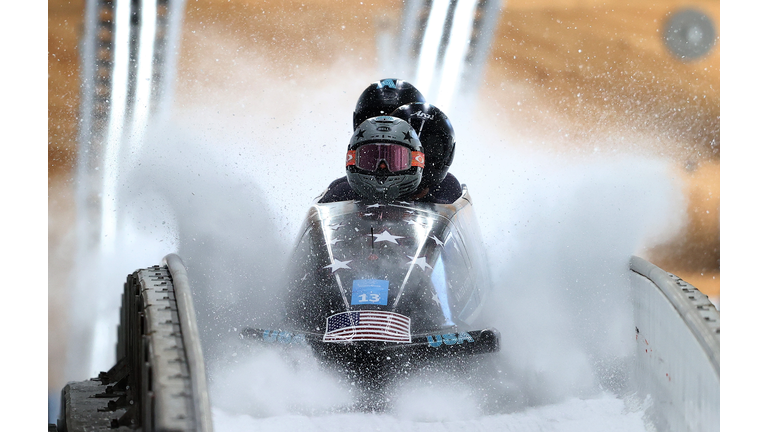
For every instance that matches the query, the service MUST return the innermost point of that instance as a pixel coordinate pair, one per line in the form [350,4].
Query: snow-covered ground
[605,413]
[271,390]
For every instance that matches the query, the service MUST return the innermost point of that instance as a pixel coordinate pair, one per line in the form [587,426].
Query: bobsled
[373,285]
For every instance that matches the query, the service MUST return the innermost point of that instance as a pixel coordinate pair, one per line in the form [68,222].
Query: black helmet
[381,97]
[436,135]
[384,159]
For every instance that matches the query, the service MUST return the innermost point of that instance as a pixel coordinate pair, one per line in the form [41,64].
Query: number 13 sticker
[370,291]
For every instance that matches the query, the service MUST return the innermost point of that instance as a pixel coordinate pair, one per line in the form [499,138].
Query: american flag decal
[367,325]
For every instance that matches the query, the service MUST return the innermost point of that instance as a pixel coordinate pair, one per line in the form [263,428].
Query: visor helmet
[436,136]
[382,97]
[384,159]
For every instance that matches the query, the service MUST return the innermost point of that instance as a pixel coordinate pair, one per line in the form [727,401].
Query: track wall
[677,367]
[159,381]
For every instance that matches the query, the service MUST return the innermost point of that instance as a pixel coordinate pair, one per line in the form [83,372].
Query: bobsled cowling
[405,277]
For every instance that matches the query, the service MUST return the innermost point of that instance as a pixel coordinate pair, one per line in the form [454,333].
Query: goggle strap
[350,157]
[417,159]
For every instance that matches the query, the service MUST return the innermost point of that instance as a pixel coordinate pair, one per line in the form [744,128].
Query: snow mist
[233,184]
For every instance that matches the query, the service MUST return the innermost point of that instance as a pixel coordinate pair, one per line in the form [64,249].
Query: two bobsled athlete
[376,163]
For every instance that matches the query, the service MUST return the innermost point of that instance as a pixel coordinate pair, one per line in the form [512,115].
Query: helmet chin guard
[384,159]
[378,188]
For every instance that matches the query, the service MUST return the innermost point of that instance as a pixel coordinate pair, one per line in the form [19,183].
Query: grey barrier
[194,350]
[677,363]
[158,383]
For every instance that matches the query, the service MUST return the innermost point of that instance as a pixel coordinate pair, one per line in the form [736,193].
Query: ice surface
[603,413]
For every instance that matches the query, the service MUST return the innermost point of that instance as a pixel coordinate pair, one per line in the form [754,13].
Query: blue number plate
[370,291]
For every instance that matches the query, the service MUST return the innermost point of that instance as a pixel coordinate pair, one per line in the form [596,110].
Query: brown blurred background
[599,66]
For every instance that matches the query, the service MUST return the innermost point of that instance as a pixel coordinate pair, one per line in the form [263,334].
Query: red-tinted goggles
[369,157]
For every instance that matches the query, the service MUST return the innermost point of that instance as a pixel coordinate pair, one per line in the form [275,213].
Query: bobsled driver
[385,160]
[433,130]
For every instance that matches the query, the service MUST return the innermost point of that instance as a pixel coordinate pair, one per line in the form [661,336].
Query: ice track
[603,414]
